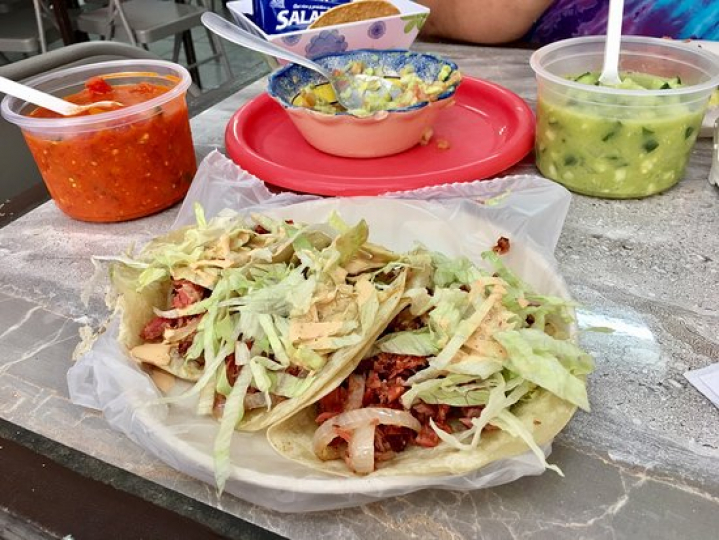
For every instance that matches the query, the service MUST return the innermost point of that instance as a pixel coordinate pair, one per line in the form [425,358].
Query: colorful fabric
[679,19]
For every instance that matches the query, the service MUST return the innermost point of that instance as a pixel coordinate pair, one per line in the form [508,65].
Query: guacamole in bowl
[615,149]
[425,85]
[408,90]
[626,141]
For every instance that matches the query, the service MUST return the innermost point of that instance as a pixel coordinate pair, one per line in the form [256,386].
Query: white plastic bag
[457,219]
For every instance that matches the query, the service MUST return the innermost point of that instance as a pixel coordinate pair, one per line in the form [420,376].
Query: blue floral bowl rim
[444,95]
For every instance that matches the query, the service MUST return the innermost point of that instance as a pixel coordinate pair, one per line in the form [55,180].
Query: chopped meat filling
[385,377]
[154,329]
[404,320]
[184,293]
[502,246]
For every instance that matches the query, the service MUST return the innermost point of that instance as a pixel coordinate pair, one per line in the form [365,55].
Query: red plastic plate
[489,129]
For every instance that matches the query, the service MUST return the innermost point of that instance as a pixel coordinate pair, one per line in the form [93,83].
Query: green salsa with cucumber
[616,145]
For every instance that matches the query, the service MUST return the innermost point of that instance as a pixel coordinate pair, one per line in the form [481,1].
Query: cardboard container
[395,32]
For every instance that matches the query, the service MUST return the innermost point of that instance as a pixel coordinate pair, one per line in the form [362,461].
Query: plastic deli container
[619,142]
[113,165]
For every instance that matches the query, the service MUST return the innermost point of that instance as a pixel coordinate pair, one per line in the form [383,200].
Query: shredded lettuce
[223,385]
[350,241]
[267,322]
[456,396]
[290,386]
[193,309]
[225,327]
[151,275]
[260,377]
[498,402]
[502,271]
[449,272]
[478,366]
[465,329]
[450,307]
[332,343]
[412,342]
[420,389]
[250,327]
[368,301]
[569,354]
[543,367]
[308,358]
[232,414]
[195,350]
[273,293]
[420,300]
[431,391]
[506,421]
[336,222]
[300,298]
[207,396]
[421,270]
[200,215]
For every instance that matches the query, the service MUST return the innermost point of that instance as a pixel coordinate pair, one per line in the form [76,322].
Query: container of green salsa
[626,141]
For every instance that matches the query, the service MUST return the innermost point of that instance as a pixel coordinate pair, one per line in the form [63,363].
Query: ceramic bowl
[381,134]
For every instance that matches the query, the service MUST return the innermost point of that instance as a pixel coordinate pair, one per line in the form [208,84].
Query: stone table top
[642,464]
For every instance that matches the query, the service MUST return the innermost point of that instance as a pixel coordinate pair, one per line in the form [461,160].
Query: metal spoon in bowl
[353,92]
[60,106]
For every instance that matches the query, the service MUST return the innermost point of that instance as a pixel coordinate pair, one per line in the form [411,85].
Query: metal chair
[6,6]
[19,172]
[146,21]
[23,28]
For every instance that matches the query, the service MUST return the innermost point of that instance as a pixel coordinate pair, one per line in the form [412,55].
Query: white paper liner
[457,219]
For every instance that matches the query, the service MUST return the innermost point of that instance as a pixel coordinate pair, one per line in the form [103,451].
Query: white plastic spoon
[36,97]
[610,69]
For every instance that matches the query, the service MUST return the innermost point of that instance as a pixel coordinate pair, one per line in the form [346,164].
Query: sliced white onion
[356,392]
[174,335]
[255,400]
[355,419]
[176,313]
[360,455]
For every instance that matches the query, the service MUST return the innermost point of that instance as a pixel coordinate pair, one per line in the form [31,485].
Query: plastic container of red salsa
[112,165]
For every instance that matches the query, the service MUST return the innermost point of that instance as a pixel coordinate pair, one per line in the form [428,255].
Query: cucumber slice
[613,132]
[650,145]
[587,78]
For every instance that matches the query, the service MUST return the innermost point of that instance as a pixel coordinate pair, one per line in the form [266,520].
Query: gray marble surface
[643,464]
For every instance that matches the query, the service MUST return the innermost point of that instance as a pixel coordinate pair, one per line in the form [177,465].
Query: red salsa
[124,169]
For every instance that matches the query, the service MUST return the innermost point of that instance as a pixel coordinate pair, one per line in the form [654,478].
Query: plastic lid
[55,82]
[594,45]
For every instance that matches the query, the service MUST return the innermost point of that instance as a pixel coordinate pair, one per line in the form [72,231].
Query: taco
[261,315]
[359,10]
[477,367]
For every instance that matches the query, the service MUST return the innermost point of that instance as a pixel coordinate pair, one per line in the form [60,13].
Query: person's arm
[482,21]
